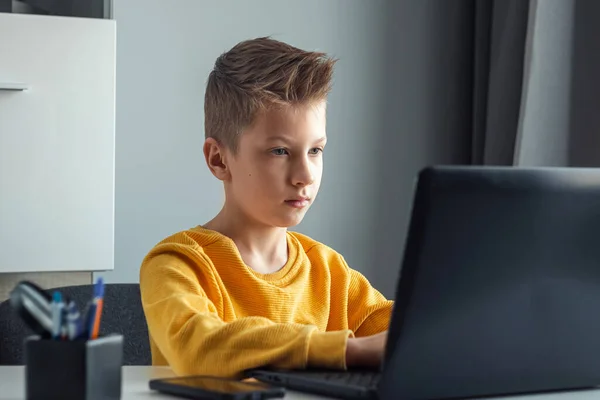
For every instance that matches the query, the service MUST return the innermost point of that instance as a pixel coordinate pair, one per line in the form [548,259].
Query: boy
[241,291]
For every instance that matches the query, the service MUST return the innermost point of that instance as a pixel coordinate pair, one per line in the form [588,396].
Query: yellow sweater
[209,313]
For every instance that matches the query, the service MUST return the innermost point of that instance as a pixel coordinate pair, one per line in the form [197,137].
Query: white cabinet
[57,143]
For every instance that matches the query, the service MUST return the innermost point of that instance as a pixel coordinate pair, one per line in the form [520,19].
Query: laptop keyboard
[366,379]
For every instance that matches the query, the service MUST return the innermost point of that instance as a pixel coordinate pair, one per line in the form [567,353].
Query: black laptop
[499,291]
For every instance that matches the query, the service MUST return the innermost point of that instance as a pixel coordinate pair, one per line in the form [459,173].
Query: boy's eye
[282,152]
[279,152]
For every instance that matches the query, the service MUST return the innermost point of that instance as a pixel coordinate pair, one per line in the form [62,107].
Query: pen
[73,321]
[97,308]
[57,315]
[64,333]
[88,321]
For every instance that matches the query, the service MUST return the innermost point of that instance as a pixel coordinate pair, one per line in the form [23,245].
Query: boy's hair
[255,75]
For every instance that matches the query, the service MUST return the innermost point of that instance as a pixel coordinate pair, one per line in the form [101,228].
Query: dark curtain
[535,82]
[499,36]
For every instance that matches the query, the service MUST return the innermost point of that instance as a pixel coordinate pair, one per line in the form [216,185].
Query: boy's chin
[288,221]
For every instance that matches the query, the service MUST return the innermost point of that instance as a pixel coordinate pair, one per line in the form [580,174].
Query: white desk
[135,384]
[135,387]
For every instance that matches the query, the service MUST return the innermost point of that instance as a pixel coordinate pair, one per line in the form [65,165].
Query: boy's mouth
[299,202]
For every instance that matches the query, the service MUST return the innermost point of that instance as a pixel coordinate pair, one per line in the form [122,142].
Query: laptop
[499,290]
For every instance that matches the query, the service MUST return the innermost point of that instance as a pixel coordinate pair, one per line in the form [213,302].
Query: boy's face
[275,175]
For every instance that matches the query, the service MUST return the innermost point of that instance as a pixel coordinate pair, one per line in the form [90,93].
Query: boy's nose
[303,176]
[304,179]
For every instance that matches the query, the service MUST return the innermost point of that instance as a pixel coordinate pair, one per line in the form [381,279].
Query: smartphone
[209,387]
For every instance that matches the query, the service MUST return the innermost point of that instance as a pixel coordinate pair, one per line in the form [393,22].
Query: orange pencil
[98,303]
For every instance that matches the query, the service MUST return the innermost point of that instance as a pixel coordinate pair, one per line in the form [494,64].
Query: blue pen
[89,321]
[57,315]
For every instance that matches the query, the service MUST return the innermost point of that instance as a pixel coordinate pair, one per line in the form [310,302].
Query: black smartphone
[210,387]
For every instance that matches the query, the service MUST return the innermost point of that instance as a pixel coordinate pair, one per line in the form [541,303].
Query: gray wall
[390,114]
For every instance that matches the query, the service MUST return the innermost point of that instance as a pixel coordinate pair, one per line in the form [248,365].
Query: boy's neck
[262,248]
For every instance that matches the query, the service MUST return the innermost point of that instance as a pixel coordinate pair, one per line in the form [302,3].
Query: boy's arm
[186,327]
[369,312]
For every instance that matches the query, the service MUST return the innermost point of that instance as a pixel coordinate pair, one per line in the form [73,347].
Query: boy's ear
[214,154]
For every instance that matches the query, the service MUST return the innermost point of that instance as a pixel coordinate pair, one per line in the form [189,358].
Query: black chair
[122,313]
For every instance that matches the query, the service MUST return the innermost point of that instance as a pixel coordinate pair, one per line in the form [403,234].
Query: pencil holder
[73,370]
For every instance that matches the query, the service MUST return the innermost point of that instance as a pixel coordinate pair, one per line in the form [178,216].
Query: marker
[97,308]
[73,321]
[57,315]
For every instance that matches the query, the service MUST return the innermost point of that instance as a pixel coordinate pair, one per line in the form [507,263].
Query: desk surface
[135,384]
[135,387]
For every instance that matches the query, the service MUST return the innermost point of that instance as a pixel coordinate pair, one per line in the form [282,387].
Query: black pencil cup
[73,370]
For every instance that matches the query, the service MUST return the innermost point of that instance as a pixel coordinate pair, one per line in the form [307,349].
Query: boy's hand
[366,351]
